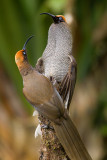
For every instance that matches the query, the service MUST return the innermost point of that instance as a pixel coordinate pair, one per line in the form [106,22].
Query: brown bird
[57,63]
[40,92]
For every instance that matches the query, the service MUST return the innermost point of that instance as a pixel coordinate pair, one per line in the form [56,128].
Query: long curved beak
[55,18]
[24,47]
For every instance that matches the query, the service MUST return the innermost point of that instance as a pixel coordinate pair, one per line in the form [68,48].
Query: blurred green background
[88,21]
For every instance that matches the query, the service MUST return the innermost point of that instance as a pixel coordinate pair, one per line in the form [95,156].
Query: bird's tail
[71,140]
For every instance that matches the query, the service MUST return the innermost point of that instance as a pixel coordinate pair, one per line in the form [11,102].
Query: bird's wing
[52,109]
[66,87]
[39,65]
[40,92]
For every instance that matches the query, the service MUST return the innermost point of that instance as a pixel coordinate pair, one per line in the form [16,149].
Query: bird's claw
[47,126]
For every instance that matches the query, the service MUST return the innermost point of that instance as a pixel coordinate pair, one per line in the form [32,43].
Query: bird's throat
[25,68]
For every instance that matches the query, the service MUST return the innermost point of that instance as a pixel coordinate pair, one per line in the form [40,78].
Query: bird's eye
[60,18]
[24,53]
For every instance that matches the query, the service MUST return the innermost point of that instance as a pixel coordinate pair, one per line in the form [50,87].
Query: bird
[43,96]
[57,62]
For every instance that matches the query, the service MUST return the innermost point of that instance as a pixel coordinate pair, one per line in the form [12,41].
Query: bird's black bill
[24,47]
[48,14]
[56,19]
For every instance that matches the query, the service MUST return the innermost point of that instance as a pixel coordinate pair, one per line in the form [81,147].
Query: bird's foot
[47,126]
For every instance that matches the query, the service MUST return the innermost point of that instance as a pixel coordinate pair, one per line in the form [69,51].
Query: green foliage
[89,14]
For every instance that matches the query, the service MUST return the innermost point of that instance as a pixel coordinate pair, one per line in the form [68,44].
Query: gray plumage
[57,62]
[55,56]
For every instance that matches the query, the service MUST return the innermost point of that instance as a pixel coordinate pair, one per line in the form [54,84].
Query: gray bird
[57,62]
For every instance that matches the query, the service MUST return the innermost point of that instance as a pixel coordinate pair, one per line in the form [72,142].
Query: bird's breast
[56,68]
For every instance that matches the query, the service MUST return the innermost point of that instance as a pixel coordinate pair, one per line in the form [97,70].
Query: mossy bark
[51,148]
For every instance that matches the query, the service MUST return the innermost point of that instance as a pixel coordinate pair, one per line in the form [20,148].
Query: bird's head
[57,18]
[21,55]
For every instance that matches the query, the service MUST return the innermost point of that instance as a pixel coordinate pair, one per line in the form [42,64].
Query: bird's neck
[25,68]
[59,41]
